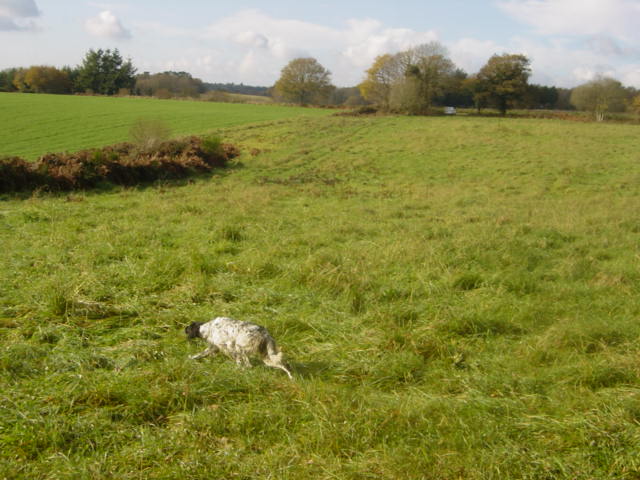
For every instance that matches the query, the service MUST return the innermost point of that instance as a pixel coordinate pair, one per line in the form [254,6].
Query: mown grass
[458,298]
[36,124]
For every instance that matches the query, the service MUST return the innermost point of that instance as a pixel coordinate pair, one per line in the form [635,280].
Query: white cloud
[106,24]
[18,8]
[577,17]
[283,38]
[265,44]
[161,30]
[17,15]
[630,75]
[615,18]
[579,39]
[471,54]
[251,39]
[365,39]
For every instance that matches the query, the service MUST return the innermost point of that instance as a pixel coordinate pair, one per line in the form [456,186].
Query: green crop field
[458,297]
[36,124]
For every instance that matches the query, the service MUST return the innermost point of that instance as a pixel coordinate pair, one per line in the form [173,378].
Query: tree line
[414,81]
[106,72]
[417,80]
[102,72]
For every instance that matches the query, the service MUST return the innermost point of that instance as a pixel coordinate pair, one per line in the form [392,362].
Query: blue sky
[568,41]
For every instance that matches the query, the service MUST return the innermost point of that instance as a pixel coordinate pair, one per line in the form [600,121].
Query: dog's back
[241,340]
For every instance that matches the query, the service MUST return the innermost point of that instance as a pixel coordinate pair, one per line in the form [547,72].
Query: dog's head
[193,330]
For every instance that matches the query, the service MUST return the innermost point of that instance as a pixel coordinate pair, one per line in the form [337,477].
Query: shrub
[147,134]
[212,145]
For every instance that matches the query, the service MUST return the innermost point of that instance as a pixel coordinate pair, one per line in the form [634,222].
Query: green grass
[459,298]
[37,124]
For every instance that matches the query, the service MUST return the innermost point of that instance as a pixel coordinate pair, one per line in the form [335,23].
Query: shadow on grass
[309,370]
[107,187]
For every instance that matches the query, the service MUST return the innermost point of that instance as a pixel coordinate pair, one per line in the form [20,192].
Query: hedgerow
[121,164]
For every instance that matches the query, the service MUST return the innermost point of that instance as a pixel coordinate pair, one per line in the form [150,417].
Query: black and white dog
[239,340]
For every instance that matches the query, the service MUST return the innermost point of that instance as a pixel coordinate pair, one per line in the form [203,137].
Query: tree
[177,84]
[303,81]
[105,72]
[503,80]
[456,90]
[19,82]
[599,96]
[385,71]
[6,80]
[410,81]
[564,99]
[427,71]
[540,96]
[43,79]
[72,73]
[477,91]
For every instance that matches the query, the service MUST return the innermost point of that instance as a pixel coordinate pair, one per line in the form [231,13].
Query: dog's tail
[270,349]
[272,356]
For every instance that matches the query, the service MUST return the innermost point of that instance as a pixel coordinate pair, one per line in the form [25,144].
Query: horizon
[569,42]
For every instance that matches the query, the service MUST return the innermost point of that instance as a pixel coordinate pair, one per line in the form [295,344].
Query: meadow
[458,298]
[36,124]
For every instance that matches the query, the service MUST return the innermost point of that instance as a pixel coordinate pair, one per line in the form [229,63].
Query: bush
[148,133]
[212,145]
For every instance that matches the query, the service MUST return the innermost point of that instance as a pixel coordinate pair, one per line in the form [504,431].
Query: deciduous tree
[427,72]
[540,96]
[409,81]
[304,81]
[178,84]
[599,96]
[45,79]
[6,80]
[456,91]
[385,71]
[503,80]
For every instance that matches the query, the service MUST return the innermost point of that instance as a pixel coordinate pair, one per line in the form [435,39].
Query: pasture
[36,124]
[458,298]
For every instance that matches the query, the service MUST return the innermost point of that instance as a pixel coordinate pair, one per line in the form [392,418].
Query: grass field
[37,124]
[458,297]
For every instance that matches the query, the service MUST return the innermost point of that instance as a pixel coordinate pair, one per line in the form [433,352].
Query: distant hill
[237,88]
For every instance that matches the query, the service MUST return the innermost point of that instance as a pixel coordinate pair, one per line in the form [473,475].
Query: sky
[568,42]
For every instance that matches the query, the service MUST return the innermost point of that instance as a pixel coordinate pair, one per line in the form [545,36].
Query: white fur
[241,340]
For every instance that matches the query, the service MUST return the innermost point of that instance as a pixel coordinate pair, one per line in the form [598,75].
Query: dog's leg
[212,350]
[246,363]
[241,360]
